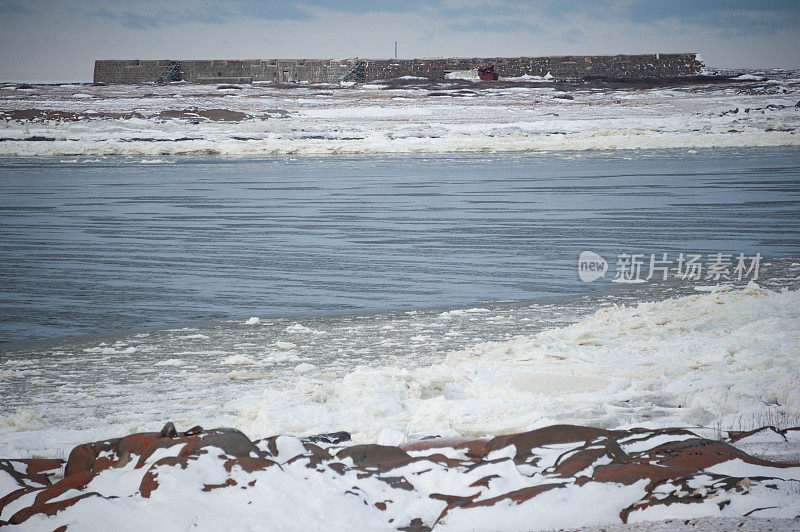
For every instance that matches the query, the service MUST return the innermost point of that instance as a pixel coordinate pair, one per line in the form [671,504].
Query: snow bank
[724,359]
[471,75]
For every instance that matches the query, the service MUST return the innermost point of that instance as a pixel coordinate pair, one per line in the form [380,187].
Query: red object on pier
[487,73]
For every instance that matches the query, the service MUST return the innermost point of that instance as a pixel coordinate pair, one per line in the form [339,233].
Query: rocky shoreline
[554,477]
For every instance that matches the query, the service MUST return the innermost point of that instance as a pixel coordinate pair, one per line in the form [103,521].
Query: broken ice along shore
[552,477]
[722,358]
[398,116]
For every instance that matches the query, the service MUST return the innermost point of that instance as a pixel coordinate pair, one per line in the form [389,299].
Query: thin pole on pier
[395,49]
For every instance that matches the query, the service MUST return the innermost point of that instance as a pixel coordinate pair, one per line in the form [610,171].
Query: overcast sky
[44,40]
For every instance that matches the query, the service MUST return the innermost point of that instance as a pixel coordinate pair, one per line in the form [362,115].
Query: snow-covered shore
[403,116]
[665,386]
[555,477]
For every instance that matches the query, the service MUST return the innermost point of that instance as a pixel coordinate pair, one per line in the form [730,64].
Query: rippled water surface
[88,246]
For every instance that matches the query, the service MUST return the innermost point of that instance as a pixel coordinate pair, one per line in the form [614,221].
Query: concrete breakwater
[335,70]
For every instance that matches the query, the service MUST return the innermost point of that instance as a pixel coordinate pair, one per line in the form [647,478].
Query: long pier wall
[222,70]
[335,70]
[560,67]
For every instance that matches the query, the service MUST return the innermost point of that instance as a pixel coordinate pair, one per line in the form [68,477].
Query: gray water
[97,246]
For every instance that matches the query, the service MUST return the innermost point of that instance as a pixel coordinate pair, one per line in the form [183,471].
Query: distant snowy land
[398,116]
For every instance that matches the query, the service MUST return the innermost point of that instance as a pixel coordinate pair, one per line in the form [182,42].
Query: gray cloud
[43,39]
[732,16]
